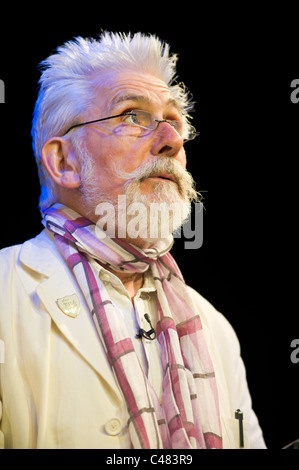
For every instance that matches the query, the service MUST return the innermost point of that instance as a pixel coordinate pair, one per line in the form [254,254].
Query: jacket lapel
[57,282]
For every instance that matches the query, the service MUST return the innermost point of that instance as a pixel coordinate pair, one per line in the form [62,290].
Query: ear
[61,163]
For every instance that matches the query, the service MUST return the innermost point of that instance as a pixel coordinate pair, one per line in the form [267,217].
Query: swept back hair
[69,81]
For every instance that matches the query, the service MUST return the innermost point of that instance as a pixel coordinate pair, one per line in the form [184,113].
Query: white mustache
[150,168]
[163,165]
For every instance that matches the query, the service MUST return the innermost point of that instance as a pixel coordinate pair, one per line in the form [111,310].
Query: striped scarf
[189,415]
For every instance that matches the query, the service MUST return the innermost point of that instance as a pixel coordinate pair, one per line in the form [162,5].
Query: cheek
[102,153]
[181,158]
[110,152]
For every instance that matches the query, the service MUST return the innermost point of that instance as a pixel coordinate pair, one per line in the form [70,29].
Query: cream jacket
[56,387]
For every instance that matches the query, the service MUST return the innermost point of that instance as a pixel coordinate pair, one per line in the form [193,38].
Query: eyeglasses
[138,121]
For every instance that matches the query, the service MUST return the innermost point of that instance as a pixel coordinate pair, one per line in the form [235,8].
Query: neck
[131,281]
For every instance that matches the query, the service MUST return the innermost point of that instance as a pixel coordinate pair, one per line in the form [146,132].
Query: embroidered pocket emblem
[70,305]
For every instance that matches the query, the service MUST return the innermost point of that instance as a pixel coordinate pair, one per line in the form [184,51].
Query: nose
[166,140]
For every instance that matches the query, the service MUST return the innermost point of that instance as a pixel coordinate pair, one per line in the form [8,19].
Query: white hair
[68,85]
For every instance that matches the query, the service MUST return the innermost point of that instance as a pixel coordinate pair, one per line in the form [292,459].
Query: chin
[157,215]
[154,190]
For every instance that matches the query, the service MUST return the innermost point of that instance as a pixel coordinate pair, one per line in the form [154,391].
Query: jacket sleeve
[1,433]
[7,261]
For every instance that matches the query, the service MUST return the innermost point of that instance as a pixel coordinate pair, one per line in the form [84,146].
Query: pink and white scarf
[189,415]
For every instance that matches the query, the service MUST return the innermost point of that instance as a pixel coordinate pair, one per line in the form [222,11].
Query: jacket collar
[55,281]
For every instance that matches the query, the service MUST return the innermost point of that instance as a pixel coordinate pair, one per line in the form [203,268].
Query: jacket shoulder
[36,254]
[8,258]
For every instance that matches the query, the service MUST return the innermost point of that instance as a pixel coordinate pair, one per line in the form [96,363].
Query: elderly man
[105,345]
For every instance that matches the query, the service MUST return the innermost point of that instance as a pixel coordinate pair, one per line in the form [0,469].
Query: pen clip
[239,417]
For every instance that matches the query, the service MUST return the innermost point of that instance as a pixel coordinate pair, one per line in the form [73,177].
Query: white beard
[149,217]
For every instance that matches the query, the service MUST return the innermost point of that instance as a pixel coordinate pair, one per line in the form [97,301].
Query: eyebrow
[144,100]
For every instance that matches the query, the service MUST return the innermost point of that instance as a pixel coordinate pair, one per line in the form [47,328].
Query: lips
[164,176]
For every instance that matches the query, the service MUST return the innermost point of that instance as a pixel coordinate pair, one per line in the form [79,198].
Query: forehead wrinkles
[149,90]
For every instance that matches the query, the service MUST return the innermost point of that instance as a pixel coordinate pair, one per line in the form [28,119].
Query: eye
[131,118]
[139,118]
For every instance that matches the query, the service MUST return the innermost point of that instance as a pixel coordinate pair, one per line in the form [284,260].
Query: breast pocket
[232,434]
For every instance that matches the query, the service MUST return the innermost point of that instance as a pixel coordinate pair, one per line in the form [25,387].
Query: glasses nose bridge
[159,121]
[166,141]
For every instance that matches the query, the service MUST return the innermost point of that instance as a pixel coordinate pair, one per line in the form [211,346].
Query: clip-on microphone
[147,334]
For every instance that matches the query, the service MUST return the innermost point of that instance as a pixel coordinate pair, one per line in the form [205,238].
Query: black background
[238,64]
